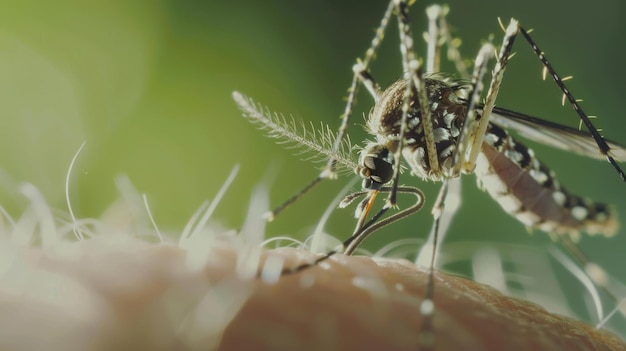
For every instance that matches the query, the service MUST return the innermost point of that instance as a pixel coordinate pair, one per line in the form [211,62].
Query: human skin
[126,294]
[358,303]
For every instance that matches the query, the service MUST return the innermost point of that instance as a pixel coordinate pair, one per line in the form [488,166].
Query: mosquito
[442,127]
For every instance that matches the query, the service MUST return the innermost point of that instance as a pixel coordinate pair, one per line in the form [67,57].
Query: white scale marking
[487,179]
[491,139]
[580,213]
[559,197]
[413,122]
[539,176]
[441,134]
[509,203]
[514,156]
[528,218]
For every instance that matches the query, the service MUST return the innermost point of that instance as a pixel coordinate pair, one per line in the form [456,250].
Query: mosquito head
[375,166]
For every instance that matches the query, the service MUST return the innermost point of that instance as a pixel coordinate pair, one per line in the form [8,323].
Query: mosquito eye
[379,163]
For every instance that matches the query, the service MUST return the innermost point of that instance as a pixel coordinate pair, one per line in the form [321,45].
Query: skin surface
[126,294]
[357,303]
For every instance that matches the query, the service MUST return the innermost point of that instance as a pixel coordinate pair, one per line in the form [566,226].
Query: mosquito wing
[553,134]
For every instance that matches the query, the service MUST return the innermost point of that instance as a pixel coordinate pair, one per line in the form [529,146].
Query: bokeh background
[147,84]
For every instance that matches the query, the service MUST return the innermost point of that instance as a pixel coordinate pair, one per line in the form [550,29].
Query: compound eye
[378,161]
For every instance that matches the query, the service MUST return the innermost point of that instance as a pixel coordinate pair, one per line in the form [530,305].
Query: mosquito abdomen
[530,192]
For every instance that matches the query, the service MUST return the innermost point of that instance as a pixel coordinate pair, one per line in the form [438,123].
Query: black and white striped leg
[362,68]
[594,272]
[434,37]
[470,124]
[414,76]
[605,149]
[360,75]
[452,45]
[494,87]
[439,35]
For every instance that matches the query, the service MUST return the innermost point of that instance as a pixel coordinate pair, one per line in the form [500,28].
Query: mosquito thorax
[448,110]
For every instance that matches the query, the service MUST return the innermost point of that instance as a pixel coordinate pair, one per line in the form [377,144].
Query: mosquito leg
[492,94]
[439,34]
[365,77]
[361,74]
[443,211]
[428,252]
[360,70]
[605,149]
[280,208]
[433,37]
[427,307]
[413,70]
[452,45]
[414,74]
[470,124]
[414,77]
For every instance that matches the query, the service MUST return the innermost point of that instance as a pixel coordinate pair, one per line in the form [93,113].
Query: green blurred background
[148,83]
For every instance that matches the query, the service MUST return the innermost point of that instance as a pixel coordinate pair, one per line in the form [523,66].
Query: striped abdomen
[529,191]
